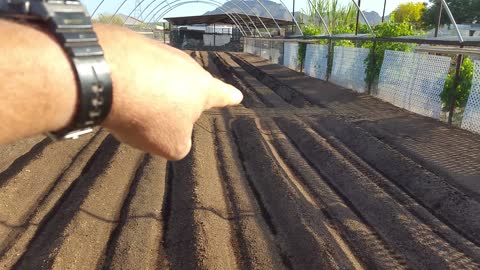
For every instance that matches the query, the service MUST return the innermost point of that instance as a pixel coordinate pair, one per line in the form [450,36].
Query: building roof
[129,20]
[224,18]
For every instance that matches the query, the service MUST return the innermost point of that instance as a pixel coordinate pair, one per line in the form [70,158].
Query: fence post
[164,29]
[271,49]
[329,59]
[370,81]
[453,100]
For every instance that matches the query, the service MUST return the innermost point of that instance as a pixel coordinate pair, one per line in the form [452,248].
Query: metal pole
[293,18]
[329,59]
[439,17]
[164,40]
[293,13]
[358,17]
[214,33]
[364,17]
[455,84]
[452,19]
[384,7]
[321,18]
[370,82]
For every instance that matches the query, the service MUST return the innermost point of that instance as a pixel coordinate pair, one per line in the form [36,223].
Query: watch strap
[72,27]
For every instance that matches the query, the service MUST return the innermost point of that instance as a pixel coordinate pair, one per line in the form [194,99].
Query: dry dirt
[302,175]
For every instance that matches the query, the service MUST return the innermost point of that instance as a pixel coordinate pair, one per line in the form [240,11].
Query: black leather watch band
[69,22]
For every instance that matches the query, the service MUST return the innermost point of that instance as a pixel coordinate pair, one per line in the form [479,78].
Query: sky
[110,6]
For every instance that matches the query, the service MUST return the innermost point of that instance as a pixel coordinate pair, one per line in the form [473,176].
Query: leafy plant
[387,29]
[311,30]
[462,91]
[302,50]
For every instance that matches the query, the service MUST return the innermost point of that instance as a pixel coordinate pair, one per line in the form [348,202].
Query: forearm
[37,84]
[158,91]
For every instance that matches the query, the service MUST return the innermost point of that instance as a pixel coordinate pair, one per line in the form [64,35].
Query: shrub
[462,91]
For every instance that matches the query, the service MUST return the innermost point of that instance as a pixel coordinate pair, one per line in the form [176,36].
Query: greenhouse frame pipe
[258,1]
[248,16]
[243,11]
[118,9]
[212,2]
[156,11]
[269,13]
[219,3]
[364,18]
[321,18]
[98,6]
[293,17]
[209,3]
[170,8]
[141,13]
[452,19]
[253,12]
[231,16]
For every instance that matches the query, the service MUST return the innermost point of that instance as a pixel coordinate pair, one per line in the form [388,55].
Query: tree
[464,11]
[108,19]
[410,12]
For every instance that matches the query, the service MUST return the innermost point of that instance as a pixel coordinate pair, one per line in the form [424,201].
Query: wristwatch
[70,23]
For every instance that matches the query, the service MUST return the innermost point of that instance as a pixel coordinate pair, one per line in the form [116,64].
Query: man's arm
[37,83]
[158,91]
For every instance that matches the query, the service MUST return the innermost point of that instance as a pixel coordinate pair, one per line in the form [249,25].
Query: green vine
[302,50]
[462,91]
[387,29]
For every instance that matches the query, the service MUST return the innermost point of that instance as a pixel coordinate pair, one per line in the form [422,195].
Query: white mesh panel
[471,116]
[257,50]
[265,49]
[276,53]
[249,44]
[349,68]
[413,81]
[290,55]
[316,59]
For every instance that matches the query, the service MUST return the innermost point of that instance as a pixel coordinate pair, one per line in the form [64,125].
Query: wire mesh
[265,49]
[471,116]
[276,54]
[414,81]
[316,61]
[349,68]
[290,55]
